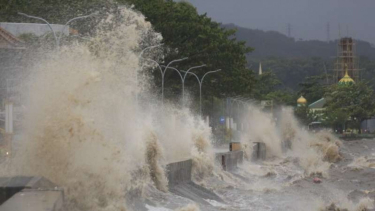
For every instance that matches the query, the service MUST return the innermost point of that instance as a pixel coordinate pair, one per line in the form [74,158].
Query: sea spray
[344,205]
[190,207]
[203,156]
[284,137]
[154,156]
[83,129]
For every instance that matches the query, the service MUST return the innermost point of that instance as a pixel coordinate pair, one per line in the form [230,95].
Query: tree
[293,71]
[303,114]
[312,88]
[265,84]
[281,97]
[188,34]
[350,103]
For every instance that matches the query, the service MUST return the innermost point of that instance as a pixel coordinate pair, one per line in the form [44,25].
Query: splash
[285,138]
[362,162]
[190,207]
[153,158]
[83,128]
[203,156]
[363,205]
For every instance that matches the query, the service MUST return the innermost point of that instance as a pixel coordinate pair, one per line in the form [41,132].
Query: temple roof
[346,79]
[301,100]
[318,104]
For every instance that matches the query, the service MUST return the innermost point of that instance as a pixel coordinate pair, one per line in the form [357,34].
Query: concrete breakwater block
[235,146]
[9,186]
[35,200]
[180,183]
[259,151]
[179,172]
[229,160]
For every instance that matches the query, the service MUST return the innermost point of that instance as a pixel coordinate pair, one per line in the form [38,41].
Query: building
[346,80]
[317,108]
[346,60]
[301,101]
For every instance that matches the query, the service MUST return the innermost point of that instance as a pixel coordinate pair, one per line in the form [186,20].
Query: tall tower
[346,55]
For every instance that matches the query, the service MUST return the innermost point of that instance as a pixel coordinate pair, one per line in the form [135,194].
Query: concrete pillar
[227,120]
[9,117]
[259,151]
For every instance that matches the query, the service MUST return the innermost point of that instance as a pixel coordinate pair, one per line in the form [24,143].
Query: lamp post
[200,81]
[136,74]
[183,79]
[164,71]
[57,38]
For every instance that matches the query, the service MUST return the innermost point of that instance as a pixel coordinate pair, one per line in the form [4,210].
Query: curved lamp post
[164,71]
[183,79]
[139,57]
[57,38]
[200,81]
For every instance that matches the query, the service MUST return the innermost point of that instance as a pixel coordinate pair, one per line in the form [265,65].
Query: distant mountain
[275,44]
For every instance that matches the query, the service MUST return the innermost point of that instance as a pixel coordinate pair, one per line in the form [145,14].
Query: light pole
[200,81]
[183,79]
[139,58]
[183,85]
[164,71]
[57,38]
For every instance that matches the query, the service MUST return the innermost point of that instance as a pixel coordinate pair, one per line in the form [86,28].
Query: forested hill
[275,44]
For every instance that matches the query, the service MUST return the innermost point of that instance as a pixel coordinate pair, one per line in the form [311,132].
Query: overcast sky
[308,18]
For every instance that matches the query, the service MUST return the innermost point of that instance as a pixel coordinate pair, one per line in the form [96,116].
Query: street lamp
[136,74]
[183,79]
[200,81]
[164,71]
[57,38]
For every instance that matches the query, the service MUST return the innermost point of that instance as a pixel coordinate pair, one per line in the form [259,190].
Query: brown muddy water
[281,184]
[92,125]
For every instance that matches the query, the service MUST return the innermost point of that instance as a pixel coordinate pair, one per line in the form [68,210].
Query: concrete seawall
[179,172]
[180,183]
[30,194]
[229,160]
[37,193]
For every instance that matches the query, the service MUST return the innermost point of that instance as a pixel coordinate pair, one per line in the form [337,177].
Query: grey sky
[308,18]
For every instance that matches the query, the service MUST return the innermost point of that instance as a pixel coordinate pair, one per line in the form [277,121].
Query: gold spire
[346,79]
[301,100]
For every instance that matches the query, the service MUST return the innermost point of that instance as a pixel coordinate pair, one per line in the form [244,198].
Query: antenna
[347,30]
[289,30]
[339,31]
[325,70]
